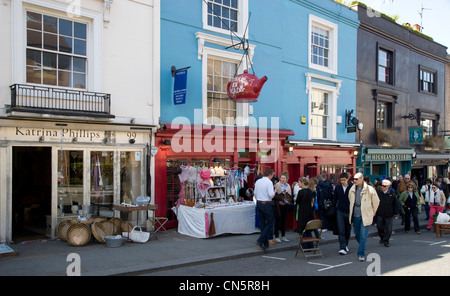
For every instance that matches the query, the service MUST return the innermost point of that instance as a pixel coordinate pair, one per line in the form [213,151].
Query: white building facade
[79,108]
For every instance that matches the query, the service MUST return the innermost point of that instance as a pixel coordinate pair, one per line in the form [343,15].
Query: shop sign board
[416,135]
[179,89]
[388,157]
[67,135]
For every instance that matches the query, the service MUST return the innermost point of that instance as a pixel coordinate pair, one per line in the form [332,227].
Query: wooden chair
[311,226]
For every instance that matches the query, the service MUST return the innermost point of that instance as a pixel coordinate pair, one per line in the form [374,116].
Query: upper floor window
[385,66]
[322,45]
[323,94]
[319,114]
[427,81]
[220,109]
[428,127]
[56,51]
[225,15]
[384,115]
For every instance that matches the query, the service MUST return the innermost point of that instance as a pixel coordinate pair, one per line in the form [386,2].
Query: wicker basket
[101,229]
[113,241]
[117,223]
[78,234]
[139,236]
[126,226]
[61,230]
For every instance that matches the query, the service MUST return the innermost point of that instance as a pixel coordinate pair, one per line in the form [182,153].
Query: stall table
[441,227]
[128,209]
[236,218]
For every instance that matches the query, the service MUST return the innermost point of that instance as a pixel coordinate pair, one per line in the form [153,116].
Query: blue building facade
[307,49]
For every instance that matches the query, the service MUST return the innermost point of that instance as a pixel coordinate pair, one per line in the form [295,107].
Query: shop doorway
[31,192]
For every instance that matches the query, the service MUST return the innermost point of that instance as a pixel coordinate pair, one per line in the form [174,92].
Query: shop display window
[130,182]
[70,181]
[102,182]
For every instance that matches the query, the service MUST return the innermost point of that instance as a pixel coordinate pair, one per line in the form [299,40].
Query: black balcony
[59,101]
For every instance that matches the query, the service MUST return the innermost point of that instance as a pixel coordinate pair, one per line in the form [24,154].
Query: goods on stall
[202,186]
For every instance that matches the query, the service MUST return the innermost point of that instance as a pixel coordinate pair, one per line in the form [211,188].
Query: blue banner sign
[179,89]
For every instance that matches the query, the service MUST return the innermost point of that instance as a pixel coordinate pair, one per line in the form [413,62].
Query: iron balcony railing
[58,100]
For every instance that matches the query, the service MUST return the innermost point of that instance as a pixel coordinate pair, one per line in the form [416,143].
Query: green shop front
[382,162]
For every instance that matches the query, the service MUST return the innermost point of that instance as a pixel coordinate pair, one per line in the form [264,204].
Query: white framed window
[323,51]
[322,102]
[219,67]
[224,16]
[319,114]
[54,47]
[56,51]
[220,109]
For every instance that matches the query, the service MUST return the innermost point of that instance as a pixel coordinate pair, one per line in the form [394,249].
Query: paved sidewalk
[170,250]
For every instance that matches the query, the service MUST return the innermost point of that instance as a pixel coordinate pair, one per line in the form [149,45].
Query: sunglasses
[355,179]
[384,185]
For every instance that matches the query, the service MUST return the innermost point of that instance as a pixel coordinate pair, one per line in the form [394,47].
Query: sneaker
[361,259]
[346,249]
[272,242]
[284,239]
[277,240]
[342,252]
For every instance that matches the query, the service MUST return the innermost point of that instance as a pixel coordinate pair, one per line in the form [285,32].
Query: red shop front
[233,148]
[300,160]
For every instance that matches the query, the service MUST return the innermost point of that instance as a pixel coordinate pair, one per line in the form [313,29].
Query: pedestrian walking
[264,193]
[282,199]
[427,192]
[304,204]
[410,200]
[342,204]
[323,195]
[386,210]
[401,187]
[437,203]
[364,203]
[305,207]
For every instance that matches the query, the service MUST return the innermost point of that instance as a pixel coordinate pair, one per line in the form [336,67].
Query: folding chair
[159,224]
[311,226]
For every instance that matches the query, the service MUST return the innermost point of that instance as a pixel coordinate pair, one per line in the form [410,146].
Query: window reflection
[102,182]
[70,182]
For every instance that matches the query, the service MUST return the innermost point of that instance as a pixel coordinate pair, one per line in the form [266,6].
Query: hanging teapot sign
[245,87]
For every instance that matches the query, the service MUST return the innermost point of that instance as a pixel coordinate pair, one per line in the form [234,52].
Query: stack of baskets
[112,232]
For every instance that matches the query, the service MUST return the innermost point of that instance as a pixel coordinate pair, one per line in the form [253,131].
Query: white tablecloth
[238,218]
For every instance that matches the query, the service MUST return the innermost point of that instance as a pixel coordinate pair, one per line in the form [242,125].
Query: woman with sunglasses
[409,199]
[437,203]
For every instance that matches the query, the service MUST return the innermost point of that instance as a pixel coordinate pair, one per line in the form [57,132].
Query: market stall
[236,218]
[212,201]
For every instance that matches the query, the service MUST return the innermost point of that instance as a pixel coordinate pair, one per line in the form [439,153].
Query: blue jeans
[343,228]
[361,234]
[265,213]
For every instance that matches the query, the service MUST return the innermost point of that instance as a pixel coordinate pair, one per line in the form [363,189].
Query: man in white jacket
[364,203]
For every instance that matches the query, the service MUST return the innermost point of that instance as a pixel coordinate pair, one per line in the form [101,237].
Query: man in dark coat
[342,204]
[386,210]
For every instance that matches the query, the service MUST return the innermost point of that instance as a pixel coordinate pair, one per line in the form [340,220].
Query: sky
[435,14]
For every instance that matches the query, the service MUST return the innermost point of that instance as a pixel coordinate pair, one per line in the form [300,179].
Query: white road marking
[430,243]
[276,258]
[329,266]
